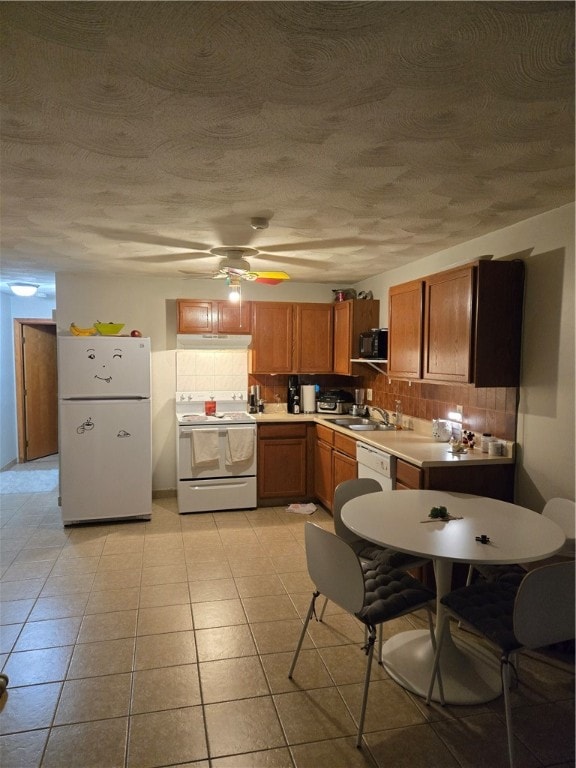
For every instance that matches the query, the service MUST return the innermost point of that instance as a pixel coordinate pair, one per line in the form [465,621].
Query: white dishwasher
[374,463]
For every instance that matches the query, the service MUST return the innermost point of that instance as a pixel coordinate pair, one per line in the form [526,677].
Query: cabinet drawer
[325,434]
[408,475]
[345,444]
[281,430]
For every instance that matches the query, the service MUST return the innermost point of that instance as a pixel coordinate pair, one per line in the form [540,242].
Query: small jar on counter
[485,440]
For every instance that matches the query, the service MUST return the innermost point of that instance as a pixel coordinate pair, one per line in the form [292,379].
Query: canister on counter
[484,441]
[495,448]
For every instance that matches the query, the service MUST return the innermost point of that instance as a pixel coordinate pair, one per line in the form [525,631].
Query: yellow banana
[75,331]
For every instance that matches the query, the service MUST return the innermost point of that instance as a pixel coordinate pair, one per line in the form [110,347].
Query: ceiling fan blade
[271,278]
[288,260]
[314,245]
[168,258]
[198,275]
[128,236]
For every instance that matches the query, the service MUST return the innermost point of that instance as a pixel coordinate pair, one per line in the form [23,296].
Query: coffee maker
[293,398]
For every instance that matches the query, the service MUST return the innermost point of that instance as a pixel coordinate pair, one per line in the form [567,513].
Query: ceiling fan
[235,267]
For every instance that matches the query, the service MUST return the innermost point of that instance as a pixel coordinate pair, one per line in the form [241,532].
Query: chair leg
[469,576]
[505,667]
[370,654]
[303,633]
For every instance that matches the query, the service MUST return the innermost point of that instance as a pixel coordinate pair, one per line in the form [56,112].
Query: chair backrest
[334,568]
[350,489]
[544,606]
[563,513]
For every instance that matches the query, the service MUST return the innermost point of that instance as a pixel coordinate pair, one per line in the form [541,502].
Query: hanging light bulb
[234,295]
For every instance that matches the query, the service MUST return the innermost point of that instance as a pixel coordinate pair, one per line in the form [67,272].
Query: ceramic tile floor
[167,643]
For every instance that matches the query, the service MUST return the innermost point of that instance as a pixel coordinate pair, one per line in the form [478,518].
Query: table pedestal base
[470,674]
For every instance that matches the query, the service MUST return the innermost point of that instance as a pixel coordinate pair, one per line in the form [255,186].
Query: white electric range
[216,454]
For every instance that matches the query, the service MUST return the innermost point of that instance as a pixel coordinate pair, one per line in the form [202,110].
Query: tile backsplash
[490,409]
[208,370]
[485,409]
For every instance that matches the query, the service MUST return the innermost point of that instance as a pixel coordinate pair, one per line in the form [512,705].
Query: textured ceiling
[137,135]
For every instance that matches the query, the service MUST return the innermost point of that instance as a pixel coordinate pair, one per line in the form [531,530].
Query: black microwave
[374,344]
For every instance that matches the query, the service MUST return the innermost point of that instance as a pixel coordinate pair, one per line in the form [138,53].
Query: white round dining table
[400,520]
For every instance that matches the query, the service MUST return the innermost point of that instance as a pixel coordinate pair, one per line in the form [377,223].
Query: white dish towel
[205,449]
[240,445]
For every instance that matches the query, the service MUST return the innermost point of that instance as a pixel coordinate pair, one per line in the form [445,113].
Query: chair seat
[512,574]
[390,592]
[489,608]
[386,556]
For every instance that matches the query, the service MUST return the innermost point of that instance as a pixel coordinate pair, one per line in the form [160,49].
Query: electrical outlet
[369,395]
[459,409]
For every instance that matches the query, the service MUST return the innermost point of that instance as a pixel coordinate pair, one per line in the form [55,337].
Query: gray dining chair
[563,513]
[364,549]
[373,592]
[537,613]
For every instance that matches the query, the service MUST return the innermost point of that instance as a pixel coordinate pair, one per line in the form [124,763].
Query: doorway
[35,365]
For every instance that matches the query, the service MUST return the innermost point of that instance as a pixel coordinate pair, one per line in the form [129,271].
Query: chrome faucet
[384,414]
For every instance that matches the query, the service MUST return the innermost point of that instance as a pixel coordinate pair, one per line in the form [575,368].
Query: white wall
[13,307]
[149,304]
[546,426]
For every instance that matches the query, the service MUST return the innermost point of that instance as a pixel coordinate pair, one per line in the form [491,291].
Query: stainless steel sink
[346,421]
[358,424]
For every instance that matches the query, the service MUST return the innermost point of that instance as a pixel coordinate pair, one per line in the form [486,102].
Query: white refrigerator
[104,428]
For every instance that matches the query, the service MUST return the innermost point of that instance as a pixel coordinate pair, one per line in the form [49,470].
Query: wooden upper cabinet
[291,337]
[197,316]
[498,307]
[473,324]
[448,325]
[405,307]
[463,325]
[234,318]
[351,318]
[313,334]
[194,316]
[272,337]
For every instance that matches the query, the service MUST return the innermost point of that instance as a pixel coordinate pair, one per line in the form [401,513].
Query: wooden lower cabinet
[344,464]
[493,480]
[334,462]
[284,463]
[323,478]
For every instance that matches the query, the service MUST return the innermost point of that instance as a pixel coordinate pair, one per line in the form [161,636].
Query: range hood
[212,341]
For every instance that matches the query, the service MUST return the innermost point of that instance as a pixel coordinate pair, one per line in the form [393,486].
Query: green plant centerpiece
[438,513]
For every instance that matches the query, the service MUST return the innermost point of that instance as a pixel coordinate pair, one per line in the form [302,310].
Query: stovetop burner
[201,418]
[230,407]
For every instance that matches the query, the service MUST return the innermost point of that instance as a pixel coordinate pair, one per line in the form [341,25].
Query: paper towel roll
[308,398]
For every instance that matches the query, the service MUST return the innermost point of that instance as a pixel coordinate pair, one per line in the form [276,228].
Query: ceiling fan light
[234,283]
[234,295]
[24,289]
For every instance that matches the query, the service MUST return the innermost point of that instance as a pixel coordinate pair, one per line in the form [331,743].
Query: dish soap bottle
[398,415]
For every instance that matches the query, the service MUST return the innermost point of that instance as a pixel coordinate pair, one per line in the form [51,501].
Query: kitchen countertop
[413,445]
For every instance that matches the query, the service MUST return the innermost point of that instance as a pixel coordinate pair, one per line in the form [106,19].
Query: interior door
[37,388]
